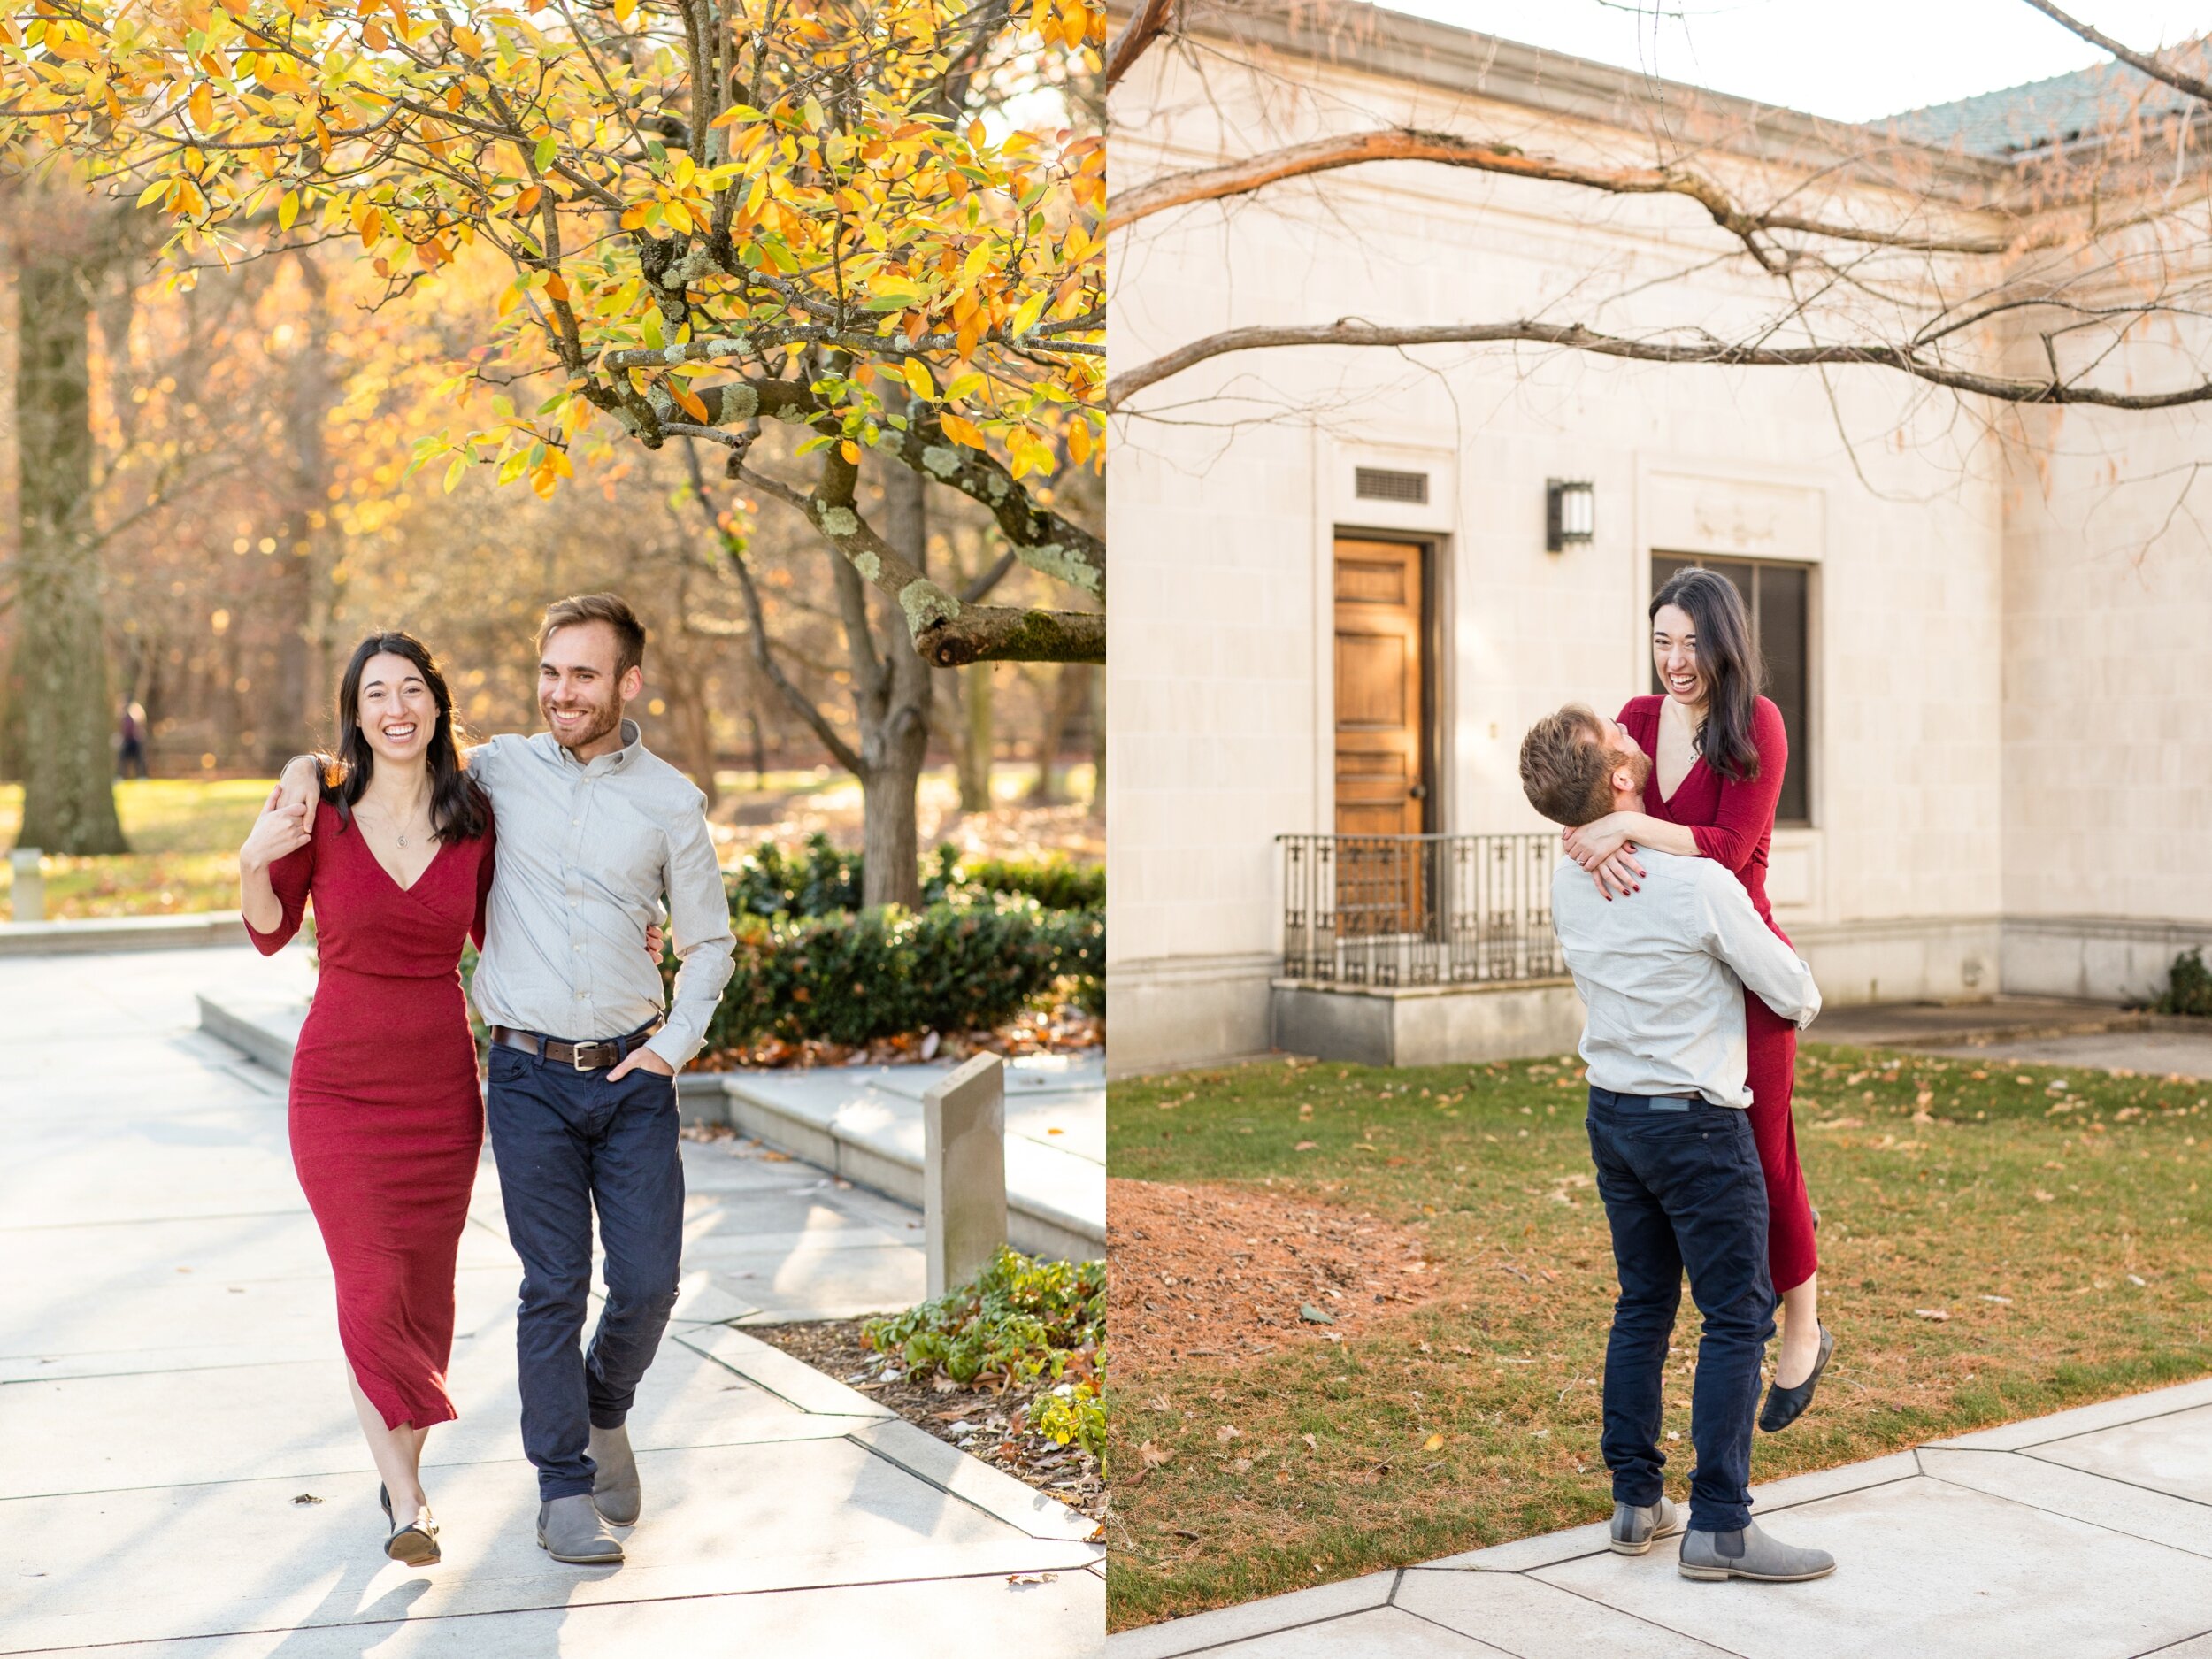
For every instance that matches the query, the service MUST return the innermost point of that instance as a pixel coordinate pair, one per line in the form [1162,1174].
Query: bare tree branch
[2132,58]
[1150,20]
[1698,348]
[1324,155]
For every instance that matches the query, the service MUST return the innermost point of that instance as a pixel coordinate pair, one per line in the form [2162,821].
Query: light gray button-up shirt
[1663,973]
[585,853]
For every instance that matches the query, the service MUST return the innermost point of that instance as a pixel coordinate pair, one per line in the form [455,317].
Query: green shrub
[1019,1317]
[1058,884]
[2188,986]
[962,963]
[767,882]
[1074,1413]
[819,880]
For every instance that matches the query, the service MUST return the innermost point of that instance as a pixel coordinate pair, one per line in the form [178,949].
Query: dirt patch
[1196,1271]
[980,1422]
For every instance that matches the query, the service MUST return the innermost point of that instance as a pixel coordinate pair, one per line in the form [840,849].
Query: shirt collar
[614,760]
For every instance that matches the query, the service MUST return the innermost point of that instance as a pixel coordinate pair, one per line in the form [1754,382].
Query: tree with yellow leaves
[715,212]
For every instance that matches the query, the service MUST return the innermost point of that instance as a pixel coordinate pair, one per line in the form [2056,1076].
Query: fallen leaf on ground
[1936,1314]
[1435,1442]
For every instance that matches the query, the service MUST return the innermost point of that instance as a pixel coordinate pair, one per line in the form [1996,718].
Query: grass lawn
[2059,1221]
[184,834]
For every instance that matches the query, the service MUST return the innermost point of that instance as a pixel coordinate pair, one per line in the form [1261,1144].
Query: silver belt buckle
[576,1057]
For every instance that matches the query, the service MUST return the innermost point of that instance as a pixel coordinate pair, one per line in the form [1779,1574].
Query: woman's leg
[1792,1257]
[397,1453]
[1801,1334]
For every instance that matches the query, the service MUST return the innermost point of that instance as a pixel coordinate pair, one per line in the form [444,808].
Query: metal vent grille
[1378,483]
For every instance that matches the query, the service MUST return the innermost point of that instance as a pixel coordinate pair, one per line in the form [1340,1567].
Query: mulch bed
[941,1407]
[1197,1271]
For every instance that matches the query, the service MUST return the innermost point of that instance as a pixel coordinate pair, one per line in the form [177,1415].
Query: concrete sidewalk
[179,1464]
[2086,1535]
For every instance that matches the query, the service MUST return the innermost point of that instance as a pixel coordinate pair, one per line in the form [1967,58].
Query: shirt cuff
[674,1046]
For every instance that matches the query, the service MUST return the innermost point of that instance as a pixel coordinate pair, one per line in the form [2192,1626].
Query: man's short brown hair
[629,633]
[1566,769]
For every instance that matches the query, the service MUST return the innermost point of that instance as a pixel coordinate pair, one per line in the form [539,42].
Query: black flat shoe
[415,1546]
[1784,1406]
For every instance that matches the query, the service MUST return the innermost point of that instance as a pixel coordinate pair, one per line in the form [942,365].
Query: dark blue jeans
[1683,1189]
[569,1142]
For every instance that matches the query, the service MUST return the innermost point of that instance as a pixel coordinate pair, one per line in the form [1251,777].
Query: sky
[1850,61]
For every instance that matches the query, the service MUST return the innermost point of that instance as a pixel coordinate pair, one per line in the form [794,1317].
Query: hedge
[852,977]
[819,880]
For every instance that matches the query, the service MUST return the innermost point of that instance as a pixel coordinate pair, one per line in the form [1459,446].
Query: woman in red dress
[1719,752]
[386,1121]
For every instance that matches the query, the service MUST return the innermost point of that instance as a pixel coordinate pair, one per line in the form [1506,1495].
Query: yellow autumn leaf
[916,373]
[850,450]
[202,104]
[961,431]
[287,209]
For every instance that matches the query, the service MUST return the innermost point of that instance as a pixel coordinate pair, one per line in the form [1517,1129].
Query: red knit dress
[387,1118]
[1733,823]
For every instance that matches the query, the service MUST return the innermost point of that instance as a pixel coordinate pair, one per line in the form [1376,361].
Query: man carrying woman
[1663,979]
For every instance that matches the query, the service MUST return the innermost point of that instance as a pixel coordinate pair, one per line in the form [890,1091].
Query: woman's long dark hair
[457,809]
[1728,659]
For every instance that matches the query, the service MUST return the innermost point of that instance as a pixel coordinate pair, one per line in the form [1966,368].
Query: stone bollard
[964,1170]
[30,892]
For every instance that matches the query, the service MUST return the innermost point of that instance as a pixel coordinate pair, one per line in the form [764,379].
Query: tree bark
[289,713]
[1057,706]
[973,752]
[60,658]
[895,689]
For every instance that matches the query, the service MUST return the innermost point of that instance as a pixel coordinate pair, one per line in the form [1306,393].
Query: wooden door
[1381,740]
[1381,733]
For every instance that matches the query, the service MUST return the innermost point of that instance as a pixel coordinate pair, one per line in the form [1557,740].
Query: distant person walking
[130,740]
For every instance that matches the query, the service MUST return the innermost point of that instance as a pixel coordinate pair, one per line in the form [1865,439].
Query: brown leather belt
[584,1057]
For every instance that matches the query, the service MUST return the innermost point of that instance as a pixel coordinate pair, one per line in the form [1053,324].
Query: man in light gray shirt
[1663,975]
[592,830]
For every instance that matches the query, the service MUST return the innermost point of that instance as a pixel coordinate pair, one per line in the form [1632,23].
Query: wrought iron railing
[1418,910]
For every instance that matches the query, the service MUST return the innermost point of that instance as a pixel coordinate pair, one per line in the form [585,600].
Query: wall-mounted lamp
[1571,510]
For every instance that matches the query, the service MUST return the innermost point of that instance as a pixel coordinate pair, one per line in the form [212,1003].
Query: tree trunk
[694,732]
[975,736]
[294,707]
[1059,702]
[60,659]
[894,713]
[1098,742]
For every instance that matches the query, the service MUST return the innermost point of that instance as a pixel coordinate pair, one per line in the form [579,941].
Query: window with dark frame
[1777,598]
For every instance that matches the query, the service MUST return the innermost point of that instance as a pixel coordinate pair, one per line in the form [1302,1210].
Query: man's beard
[600,719]
[1639,762]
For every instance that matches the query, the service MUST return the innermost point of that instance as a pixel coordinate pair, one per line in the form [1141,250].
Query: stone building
[1348,578]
